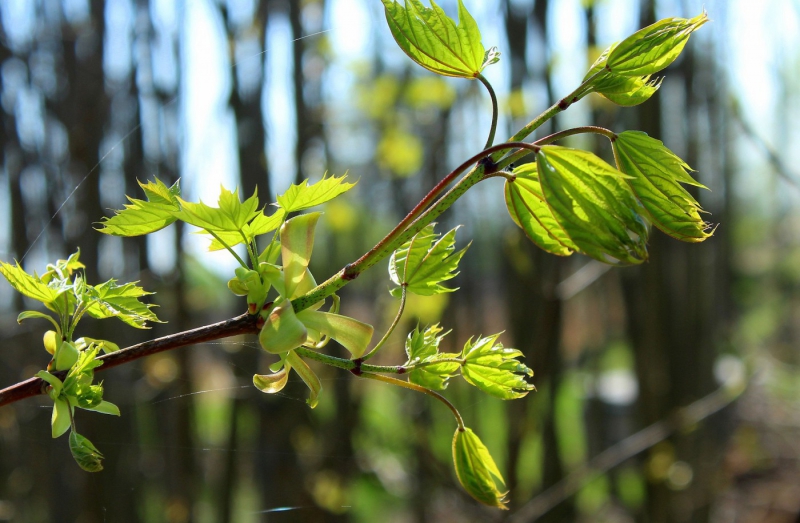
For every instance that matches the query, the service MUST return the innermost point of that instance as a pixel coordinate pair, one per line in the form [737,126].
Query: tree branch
[244,324]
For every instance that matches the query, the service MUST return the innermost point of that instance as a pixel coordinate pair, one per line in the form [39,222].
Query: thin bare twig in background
[626,449]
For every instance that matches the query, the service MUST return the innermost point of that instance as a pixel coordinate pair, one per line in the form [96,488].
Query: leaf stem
[576,130]
[388,333]
[556,108]
[495,111]
[230,250]
[425,212]
[413,386]
[516,156]
[345,364]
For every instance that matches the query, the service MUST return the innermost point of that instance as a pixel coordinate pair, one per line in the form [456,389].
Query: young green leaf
[56,296]
[303,196]
[649,50]
[105,407]
[63,269]
[622,90]
[435,42]
[350,333]
[272,383]
[53,381]
[476,470]
[61,419]
[422,347]
[24,315]
[231,214]
[297,243]
[143,217]
[260,224]
[86,455]
[495,369]
[593,204]
[656,177]
[307,375]
[65,356]
[529,210]
[423,263]
[109,300]
[282,331]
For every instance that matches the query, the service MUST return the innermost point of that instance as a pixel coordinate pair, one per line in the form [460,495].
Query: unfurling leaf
[282,331]
[651,49]
[260,224]
[622,90]
[86,455]
[297,243]
[350,333]
[65,356]
[105,407]
[61,420]
[303,196]
[593,204]
[272,383]
[656,177]
[495,369]
[423,263]
[435,42]
[476,470]
[307,375]
[422,347]
[143,217]
[109,300]
[529,210]
[55,295]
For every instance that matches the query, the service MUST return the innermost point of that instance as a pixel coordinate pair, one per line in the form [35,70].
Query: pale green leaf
[230,215]
[56,295]
[282,331]
[109,300]
[53,381]
[104,345]
[422,347]
[529,210]
[272,383]
[297,244]
[303,196]
[424,262]
[622,90]
[24,315]
[86,455]
[649,50]
[593,204]
[105,407]
[434,41]
[656,177]
[260,224]
[63,269]
[495,369]
[350,333]
[66,355]
[307,375]
[476,470]
[60,421]
[143,217]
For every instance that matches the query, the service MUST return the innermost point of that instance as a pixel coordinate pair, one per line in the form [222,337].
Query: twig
[243,324]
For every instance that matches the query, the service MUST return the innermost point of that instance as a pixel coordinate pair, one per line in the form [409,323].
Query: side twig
[244,324]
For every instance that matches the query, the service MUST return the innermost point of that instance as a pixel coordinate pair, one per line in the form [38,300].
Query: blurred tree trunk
[534,309]
[671,302]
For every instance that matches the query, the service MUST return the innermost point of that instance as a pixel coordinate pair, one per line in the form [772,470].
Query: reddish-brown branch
[244,324]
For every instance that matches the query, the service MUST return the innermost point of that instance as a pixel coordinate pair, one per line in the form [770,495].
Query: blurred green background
[666,392]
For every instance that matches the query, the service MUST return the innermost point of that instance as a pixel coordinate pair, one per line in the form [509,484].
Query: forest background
[96,95]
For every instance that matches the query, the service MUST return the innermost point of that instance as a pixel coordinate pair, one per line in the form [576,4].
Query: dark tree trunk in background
[534,309]
[671,302]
